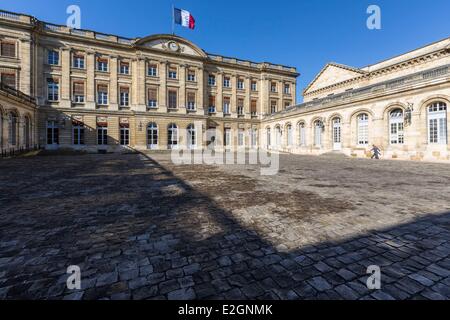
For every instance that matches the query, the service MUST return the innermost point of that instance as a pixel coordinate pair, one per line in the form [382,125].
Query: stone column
[264,103]
[141,94]
[90,80]
[219,94]
[162,93]
[182,90]
[113,89]
[25,71]
[201,90]
[248,99]
[233,107]
[65,87]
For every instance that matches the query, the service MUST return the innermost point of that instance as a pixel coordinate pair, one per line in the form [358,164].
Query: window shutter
[240,102]
[191,97]
[9,80]
[102,88]
[78,88]
[124,90]
[8,49]
[152,94]
[253,106]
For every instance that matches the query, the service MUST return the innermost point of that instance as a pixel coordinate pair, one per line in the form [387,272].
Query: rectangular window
[211,80]
[273,107]
[78,92]
[212,104]
[240,84]
[52,90]
[227,137]
[191,101]
[78,134]
[152,98]
[102,135]
[254,86]
[253,108]
[124,135]
[53,57]
[287,104]
[78,61]
[9,79]
[102,94]
[273,87]
[173,99]
[226,105]
[191,76]
[241,137]
[102,65]
[240,107]
[172,73]
[124,96]
[226,82]
[287,88]
[124,68]
[153,70]
[8,49]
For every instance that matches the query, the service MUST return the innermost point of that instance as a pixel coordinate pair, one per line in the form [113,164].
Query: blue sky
[304,34]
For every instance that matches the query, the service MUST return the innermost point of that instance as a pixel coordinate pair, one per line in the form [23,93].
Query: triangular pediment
[333,73]
[171,44]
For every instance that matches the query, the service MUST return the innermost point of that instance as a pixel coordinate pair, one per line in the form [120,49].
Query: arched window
[289,135]
[152,136]
[172,136]
[278,136]
[12,129]
[268,137]
[191,136]
[363,129]
[302,134]
[396,125]
[437,123]
[318,127]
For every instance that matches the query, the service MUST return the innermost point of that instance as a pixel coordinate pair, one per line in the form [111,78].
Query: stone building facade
[96,91]
[82,89]
[401,105]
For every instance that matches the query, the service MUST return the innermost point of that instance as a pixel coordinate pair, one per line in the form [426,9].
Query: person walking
[376,152]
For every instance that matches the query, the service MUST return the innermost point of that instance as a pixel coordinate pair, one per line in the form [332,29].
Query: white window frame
[124,133]
[124,98]
[212,80]
[53,58]
[437,123]
[191,137]
[241,138]
[302,134]
[241,85]
[102,136]
[76,135]
[152,136]
[396,127]
[226,82]
[254,86]
[78,62]
[124,69]
[102,66]
[152,71]
[318,128]
[226,108]
[172,131]
[52,91]
[290,135]
[102,98]
[362,131]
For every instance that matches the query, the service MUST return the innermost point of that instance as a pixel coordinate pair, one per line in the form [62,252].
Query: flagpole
[173,19]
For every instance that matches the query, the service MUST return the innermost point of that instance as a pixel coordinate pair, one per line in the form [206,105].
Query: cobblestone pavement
[141,228]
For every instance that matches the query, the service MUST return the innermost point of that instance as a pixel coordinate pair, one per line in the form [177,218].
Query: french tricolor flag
[183,18]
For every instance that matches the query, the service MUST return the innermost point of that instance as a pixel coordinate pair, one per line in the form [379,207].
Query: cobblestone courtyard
[142,228]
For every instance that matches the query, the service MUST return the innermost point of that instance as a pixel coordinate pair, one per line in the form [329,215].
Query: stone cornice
[386,70]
